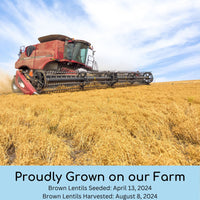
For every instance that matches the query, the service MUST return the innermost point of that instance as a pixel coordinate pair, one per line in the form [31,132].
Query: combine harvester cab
[60,63]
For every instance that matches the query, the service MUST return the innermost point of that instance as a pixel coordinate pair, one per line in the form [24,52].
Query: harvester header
[60,63]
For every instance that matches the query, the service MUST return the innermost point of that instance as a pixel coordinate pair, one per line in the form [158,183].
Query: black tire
[15,89]
[39,80]
[148,77]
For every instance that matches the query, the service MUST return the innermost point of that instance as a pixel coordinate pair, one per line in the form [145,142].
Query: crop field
[138,125]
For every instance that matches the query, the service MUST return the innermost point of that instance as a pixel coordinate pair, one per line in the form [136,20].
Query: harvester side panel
[43,53]
[25,60]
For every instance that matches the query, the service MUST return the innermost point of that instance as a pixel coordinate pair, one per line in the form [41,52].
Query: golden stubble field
[139,125]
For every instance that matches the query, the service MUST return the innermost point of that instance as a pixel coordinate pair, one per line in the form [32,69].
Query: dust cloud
[5,83]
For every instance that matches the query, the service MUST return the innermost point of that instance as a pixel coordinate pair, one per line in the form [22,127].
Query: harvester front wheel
[15,89]
[39,80]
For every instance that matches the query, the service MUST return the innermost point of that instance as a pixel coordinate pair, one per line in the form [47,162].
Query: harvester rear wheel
[15,89]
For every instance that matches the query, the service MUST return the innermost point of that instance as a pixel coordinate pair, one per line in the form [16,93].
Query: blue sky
[145,35]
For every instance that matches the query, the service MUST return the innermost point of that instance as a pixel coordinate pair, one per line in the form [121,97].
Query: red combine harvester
[60,63]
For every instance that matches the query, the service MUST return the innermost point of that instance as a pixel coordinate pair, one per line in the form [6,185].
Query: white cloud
[126,33]
[190,62]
